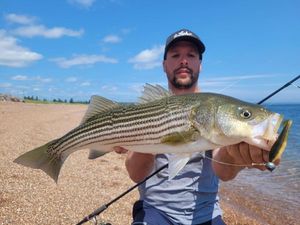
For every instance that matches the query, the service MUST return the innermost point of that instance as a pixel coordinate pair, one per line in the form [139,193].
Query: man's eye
[192,55]
[175,55]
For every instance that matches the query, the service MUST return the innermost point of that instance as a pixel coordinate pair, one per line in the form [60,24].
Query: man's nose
[184,61]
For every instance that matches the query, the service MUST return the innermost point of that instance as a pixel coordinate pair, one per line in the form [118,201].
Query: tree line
[55,100]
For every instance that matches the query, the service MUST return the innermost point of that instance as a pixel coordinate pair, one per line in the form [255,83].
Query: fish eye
[246,114]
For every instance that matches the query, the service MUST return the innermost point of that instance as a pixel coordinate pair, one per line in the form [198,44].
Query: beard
[177,83]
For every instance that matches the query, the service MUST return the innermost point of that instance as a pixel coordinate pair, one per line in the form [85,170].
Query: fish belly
[199,145]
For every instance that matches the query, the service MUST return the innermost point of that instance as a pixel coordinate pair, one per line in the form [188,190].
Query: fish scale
[117,116]
[151,125]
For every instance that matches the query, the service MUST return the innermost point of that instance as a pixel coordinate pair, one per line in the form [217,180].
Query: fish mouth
[265,132]
[274,123]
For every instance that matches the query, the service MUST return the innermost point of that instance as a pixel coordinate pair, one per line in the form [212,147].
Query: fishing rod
[105,206]
[270,166]
[279,89]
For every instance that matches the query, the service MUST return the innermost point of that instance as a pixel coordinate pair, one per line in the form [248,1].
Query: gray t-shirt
[190,197]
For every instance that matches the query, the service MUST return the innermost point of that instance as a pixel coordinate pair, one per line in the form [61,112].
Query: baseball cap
[184,35]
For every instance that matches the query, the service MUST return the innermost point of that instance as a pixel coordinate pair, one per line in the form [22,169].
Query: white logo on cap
[182,33]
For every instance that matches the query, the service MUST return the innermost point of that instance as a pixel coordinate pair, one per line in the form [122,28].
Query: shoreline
[29,196]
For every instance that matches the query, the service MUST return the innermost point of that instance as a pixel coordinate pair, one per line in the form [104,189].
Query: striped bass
[160,123]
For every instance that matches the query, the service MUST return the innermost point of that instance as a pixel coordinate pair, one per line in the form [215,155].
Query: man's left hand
[236,157]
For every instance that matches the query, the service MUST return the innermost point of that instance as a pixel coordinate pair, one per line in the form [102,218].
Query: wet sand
[29,196]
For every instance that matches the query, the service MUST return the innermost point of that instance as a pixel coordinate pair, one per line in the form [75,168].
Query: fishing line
[230,85]
[232,164]
[93,215]
[296,86]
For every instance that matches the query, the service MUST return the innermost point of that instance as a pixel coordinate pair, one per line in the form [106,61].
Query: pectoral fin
[183,137]
[94,154]
[176,163]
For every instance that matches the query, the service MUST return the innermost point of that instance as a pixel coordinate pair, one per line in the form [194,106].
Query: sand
[29,196]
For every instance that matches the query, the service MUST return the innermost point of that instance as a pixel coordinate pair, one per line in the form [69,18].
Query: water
[287,175]
[283,184]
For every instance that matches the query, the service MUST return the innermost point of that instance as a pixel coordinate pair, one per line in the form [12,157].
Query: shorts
[147,215]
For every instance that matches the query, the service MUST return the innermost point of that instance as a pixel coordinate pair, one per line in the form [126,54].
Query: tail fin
[39,158]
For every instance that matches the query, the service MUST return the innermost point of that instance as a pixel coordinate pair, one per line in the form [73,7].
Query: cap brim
[200,46]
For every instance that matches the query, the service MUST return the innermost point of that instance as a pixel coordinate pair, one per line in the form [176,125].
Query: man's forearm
[139,165]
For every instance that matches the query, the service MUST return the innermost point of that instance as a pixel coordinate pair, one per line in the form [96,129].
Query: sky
[79,48]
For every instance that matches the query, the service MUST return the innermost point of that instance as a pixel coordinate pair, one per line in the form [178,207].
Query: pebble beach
[29,196]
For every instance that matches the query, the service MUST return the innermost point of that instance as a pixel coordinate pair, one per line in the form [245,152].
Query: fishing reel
[96,222]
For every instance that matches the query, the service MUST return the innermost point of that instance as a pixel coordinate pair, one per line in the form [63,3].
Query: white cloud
[109,88]
[222,84]
[148,59]
[43,79]
[83,60]
[137,87]
[37,78]
[71,79]
[112,39]
[41,30]
[19,77]
[126,30]
[31,29]
[229,81]
[20,19]
[14,55]
[83,3]
[242,77]
[5,85]
[85,83]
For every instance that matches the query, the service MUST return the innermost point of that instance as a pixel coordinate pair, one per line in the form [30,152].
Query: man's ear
[164,65]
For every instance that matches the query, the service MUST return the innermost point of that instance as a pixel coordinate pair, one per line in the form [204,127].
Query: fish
[160,122]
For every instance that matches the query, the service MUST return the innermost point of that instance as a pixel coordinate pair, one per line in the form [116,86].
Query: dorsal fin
[152,93]
[98,105]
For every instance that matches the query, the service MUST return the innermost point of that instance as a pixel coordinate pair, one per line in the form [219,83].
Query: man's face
[182,65]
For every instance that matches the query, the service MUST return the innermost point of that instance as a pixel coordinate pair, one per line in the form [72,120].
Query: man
[190,197]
